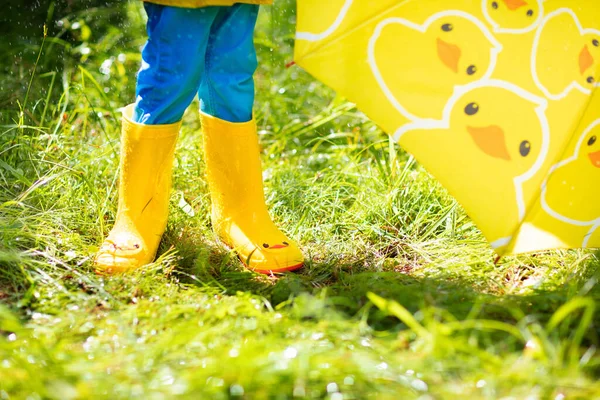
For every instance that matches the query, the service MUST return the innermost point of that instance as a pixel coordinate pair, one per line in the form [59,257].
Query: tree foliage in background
[68,25]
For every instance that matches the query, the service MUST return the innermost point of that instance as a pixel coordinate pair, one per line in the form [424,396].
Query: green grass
[400,297]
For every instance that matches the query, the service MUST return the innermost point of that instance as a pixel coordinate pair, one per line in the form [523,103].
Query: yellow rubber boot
[144,185]
[239,214]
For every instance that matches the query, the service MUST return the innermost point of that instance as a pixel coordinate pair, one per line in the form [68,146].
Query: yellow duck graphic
[418,67]
[513,16]
[493,138]
[565,56]
[572,190]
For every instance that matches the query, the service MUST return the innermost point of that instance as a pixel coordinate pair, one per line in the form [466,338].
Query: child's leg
[173,61]
[232,154]
[227,88]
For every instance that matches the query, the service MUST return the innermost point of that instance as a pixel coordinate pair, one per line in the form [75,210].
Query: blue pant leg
[173,62]
[227,88]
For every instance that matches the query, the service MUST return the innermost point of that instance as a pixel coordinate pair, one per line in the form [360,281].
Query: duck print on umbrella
[572,191]
[429,61]
[566,56]
[494,137]
[513,16]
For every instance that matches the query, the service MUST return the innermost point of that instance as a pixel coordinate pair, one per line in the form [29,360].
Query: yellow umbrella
[497,99]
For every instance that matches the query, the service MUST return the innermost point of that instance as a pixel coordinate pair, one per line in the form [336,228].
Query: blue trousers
[209,51]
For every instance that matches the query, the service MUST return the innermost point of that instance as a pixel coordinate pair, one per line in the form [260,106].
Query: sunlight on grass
[400,296]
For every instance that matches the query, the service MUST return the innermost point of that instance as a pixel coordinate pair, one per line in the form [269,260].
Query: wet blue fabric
[206,51]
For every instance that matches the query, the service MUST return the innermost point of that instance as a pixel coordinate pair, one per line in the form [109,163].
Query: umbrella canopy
[498,100]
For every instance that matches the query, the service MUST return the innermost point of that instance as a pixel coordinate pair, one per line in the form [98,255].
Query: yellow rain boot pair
[144,187]
[239,214]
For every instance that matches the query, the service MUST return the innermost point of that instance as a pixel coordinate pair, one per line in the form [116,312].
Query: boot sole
[275,271]
[291,268]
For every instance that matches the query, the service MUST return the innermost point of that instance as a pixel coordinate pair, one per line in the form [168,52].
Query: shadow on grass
[346,280]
